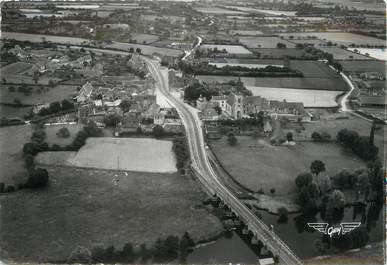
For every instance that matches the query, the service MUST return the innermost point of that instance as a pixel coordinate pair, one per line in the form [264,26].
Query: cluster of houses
[238,106]
[143,115]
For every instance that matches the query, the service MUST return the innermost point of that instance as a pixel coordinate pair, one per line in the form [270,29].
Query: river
[295,233]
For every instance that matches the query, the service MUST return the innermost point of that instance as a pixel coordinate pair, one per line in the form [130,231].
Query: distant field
[146,49]
[298,39]
[339,38]
[341,54]
[264,42]
[233,49]
[133,154]
[380,54]
[246,32]
[57,93]
[144,38]
[364,66]
[100,208]
[218,11]
[278,53]
[12,139]
[257,164]
[249,63]
[317,70]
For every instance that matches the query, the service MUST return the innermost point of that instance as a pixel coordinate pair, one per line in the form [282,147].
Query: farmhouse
[85,92]
[237,106]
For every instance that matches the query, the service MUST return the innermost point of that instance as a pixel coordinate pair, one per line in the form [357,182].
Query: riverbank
[370,254]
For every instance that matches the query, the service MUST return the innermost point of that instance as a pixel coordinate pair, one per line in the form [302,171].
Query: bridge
[202,169]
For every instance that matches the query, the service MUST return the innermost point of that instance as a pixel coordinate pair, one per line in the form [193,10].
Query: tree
[67,105]
[63,133]
[324,184]
[289,137]
[158,131]
[303,179]
[232,140]
[283,215]
[54,107]
[38,178]
[317,167]
[335,206]
[364,183]
[281,45]
[138,50]
[17,102]
[112,119]
[218,109]
[51,83]
[38,136]
[125,105]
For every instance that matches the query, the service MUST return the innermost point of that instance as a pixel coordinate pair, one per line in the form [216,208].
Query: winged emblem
[320,227]
[343,229]
[348,227]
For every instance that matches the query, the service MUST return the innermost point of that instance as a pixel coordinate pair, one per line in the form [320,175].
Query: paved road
[208,178]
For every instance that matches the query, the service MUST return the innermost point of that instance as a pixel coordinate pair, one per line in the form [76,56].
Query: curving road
[205,174]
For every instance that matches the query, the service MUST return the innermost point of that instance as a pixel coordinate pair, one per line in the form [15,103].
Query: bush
[323,137]
[303,179]
[2,187]
[232,140]
[38,179]
[272,191]
[63,133]
[158,131]
[283,215]
[10,188]
[181,151]
[111,120]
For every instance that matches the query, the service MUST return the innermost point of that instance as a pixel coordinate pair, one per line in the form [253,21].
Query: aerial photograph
[193,132]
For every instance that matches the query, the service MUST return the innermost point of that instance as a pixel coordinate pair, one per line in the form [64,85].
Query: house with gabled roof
[85,93]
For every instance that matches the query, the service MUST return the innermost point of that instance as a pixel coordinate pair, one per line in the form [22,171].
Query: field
[364,66]
[310,98]
[144,38]
[13,112]
[90,208]
[218,11]
[12,139]
[232,49]
[379,54]
[15,68]
[339,38]
[278,53]
[330,124]
[313,83]
[36,97]
[264,42]
[257,164]
[52,138]
[246,32]
[133,154]
[341,54]
[249,63]
[146,49]
[313,69]
[315,42]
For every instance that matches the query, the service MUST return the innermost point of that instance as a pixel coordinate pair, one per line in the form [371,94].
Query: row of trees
[165,250]
[362,146]
[56,107]
[181,151]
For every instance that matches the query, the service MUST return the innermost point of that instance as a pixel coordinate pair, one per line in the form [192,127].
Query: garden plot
[132,154]
[232,49]
[219,11]
[264,42]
